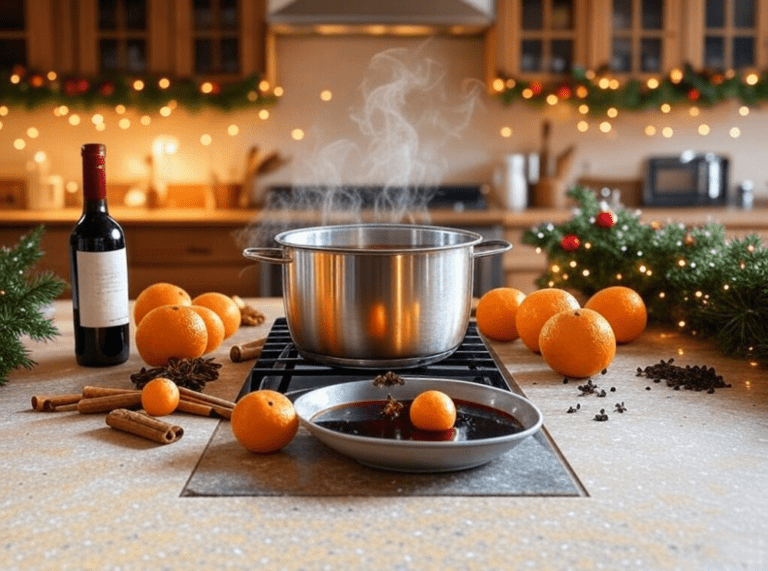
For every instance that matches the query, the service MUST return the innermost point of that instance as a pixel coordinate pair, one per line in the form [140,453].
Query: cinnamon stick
[54,403]
[109,403]
[204,409]
[91,392]
[188,394]
[246,351]
[144,426]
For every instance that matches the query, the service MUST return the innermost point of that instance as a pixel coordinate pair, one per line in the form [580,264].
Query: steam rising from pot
[405,121]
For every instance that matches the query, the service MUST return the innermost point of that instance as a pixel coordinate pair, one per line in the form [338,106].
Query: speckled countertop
[678,481]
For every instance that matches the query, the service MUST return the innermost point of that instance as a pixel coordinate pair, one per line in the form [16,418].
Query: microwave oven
[686,180]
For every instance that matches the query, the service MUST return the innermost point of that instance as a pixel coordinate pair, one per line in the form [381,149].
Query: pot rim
[473,239]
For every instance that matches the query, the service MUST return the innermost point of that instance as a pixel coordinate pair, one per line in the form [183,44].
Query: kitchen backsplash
[319,122]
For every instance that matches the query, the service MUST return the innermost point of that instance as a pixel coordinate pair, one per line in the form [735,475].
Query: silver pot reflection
[377,295]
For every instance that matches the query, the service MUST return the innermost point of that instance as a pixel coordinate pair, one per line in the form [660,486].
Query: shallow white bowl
[412,455]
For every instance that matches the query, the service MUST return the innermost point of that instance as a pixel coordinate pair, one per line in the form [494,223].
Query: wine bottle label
[102,283]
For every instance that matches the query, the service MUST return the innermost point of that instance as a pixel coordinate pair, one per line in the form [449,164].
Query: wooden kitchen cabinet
[180,38]
[194,256]
[627,38]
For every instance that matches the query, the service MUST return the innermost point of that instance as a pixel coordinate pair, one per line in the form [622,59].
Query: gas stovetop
[281,368]
[307,468]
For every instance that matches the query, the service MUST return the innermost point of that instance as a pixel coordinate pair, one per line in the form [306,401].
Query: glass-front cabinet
[638,38]
[223,38]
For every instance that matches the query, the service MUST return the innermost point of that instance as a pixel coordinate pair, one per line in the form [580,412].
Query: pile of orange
[169,323]
[574,341]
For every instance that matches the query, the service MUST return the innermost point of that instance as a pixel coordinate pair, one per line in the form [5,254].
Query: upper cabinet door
[727,34]
[537,37]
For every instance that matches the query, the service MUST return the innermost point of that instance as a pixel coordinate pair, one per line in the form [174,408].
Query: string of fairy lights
[599,99]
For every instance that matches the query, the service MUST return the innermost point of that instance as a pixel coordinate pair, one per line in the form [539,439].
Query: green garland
[682,86]
[32,90]
[22,294]
[692,278]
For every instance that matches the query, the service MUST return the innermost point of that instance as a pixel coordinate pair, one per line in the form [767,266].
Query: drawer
[182,246]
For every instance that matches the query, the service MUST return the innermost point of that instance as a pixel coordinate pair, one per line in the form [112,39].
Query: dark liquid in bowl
[473,422]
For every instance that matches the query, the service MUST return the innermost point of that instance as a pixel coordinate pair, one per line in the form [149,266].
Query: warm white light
[506,132]
[498,84]
[138,85]
[703,129]
[735,132]
[583,108]
[264,85]
[527,93]
[604,83]
[585,273]
[233,130]
[297,134]
[510,83]
[676,76]
[71,187]
[652,83]
[33,133]
[681,323]
[206,140]
[145,120]
[124,123]
[101,127]
[665,108]
[619,277]
[252,96]
[74,119]
[40,157]
[206,87]
[165,111]
[552,99]
[164,83]
[667,132]
[582,126]
[263,114]
[51,76]
[612,112]
[3,110]
[751,79]
[278,91]
[326,95]
[97,119]
[662,295]
[743,110]
[15,78]
[605,127]
[650,130]
[555,268]
[681,263]
[694,111]
[643,269]
[19,144]
[120,109]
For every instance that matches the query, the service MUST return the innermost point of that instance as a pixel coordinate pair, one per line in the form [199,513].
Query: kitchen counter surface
[677,481]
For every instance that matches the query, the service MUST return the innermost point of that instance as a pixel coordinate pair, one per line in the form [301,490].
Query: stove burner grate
[281,368]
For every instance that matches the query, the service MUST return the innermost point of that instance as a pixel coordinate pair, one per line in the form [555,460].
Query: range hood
[405,17]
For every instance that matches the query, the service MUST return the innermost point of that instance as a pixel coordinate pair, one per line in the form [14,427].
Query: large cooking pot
[377,295]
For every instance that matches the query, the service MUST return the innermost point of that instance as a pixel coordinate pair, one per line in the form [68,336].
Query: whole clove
[620,407]
[388,379]
[693,378]
[602,416]
[572,409]
[392,408]
[588,388]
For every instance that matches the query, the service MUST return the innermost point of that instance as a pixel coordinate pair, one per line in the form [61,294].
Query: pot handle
[494,247]
[268,255]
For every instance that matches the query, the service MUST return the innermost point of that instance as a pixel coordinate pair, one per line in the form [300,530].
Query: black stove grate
[281,368]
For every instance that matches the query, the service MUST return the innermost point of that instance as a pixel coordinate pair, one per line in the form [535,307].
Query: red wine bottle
[99,272]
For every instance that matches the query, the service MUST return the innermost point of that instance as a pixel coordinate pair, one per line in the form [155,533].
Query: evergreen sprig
[23,293]
[692,277]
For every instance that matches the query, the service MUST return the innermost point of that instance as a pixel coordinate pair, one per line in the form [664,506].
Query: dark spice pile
[692,378]
[189,373]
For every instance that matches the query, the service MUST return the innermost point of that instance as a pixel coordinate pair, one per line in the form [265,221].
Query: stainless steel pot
[377,295]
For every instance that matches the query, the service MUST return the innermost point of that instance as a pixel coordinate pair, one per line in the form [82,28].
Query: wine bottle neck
[95,205]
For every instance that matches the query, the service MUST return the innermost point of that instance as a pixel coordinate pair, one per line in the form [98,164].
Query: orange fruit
[225,307]
[157,295]
[213,325]
[577,343]
[433,410]
[171,331]
[623,308]
[264,421]
[160,396]
[496,312]
[536,308]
